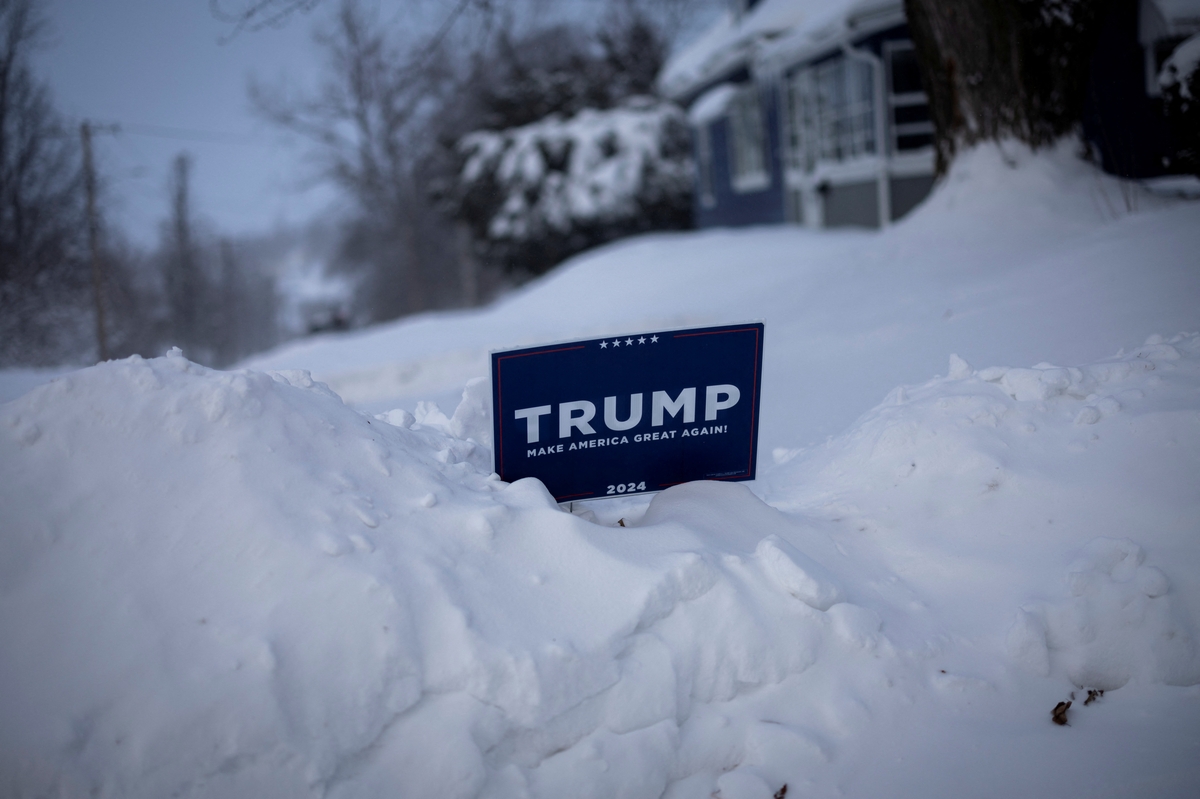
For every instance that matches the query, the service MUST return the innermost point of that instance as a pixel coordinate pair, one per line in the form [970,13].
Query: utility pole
[86,129]
[183,284]
[468,265]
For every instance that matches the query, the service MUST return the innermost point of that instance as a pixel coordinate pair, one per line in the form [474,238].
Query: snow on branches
[536,194]
[1182,68]
[1180,83]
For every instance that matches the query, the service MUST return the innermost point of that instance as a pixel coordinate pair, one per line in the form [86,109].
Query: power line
[449,23]
[181,134]
[189,134]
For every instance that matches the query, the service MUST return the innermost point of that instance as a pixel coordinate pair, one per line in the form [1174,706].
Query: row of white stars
[616,342]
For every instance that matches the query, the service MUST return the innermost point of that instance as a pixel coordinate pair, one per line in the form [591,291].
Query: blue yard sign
[629,414]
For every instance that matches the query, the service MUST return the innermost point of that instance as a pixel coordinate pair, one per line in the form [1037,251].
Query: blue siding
[732,208]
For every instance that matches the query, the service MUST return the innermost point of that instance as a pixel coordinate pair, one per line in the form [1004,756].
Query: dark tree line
[385,124]
[63,291]
[43,273]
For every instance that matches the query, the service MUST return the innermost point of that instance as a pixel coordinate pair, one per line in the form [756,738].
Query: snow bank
[231,584]
[1060,490]
[1005,185]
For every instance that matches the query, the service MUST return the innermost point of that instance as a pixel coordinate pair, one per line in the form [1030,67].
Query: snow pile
[955,474]
[598,167]
[231,584]
[249,589]
[179,572]
[1117,623]
[1051,192]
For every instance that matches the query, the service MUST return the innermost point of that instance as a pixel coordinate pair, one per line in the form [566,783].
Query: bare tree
[366,124]
[43,277]
[258,14]
[386,121]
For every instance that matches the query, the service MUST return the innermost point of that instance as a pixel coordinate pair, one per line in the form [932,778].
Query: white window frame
[747,142]
[904,100]
[845,109]
[801,121]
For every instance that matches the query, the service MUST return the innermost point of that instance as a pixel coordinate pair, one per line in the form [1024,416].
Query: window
[912,126]
[846,109]
[831,113]
[747,141]
[831,109]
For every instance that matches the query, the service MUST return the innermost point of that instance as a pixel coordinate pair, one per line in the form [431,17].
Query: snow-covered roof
[838,22]
[735,40]
[711,104]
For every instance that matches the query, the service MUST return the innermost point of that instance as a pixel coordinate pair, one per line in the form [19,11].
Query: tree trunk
[995,69]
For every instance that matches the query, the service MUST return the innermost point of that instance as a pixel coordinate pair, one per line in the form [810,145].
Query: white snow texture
[233,584]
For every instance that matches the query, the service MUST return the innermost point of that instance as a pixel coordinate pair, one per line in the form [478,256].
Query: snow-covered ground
[236,584]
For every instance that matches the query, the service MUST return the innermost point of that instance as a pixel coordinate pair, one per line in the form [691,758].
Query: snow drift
[221,584]
[233,584]
[257,539]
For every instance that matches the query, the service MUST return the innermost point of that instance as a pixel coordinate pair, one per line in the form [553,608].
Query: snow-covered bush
[1180,82]
[536,194]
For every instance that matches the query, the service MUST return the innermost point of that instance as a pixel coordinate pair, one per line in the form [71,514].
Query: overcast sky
[163,70]
[174,79]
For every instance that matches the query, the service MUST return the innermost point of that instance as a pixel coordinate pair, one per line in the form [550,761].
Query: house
[812,111]
[805,111]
